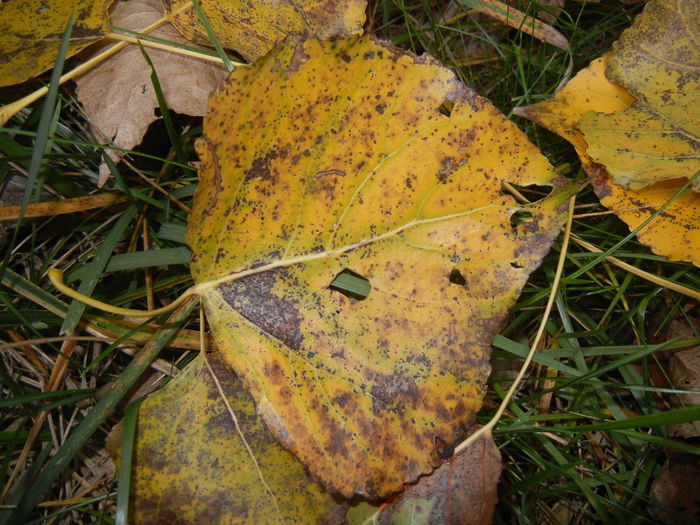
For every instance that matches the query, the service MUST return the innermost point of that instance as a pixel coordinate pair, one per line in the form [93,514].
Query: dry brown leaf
[118,96]
[677,490]
[462,490]
[684,372]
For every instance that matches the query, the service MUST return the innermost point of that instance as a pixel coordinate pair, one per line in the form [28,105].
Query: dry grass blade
[664,283]
[57,374]
[47,209]
[519,20]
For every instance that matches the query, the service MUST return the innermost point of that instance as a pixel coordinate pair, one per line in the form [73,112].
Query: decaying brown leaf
[31,32]
[118,96]
[350,155]
[684,373]
[461,491]
[677,490]
[253,28]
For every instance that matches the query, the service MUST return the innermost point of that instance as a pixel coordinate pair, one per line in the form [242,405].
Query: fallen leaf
[351,155]
[658,61]
[192,466]
[254,28]
[117,95]
[462,491]
[684,373]
[678,490]
[675,233]
[588,91]
[31,33]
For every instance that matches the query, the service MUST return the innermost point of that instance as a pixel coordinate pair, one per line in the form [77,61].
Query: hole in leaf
[457,278]
[525,194]
[446,108]
[520,217]
[516,265]
[351,284]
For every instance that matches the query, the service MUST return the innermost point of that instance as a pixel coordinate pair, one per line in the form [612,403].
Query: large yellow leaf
[658,61]
[31,31]
[191,465]
[252,28]
[350,154]
[675,233]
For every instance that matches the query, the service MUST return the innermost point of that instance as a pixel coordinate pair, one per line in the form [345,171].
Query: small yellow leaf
[191,465]
[674,233]
[253,28]
[658,61]
[339,155]
[31,32]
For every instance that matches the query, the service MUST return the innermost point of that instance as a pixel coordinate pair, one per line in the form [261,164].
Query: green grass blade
[138,260]
[128,437]
[212,37]
[164,109]
[172,232]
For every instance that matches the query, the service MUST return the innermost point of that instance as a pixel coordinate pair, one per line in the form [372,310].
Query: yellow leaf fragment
[675,233]
[31,32]
[352,155]
[562,112]
[253,28]
[658,61]
[191,465]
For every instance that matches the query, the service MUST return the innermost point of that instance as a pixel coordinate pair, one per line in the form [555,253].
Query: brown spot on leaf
[394,392]
[261,165]
[299,57]
[277,317]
